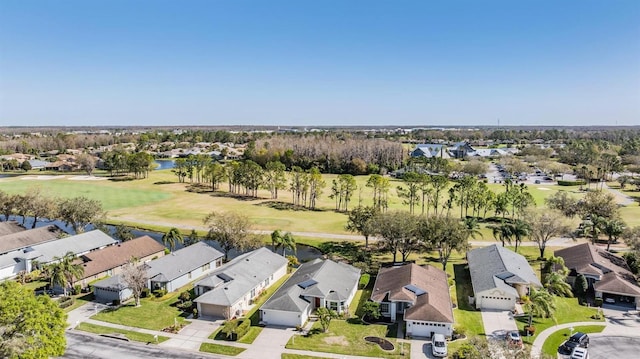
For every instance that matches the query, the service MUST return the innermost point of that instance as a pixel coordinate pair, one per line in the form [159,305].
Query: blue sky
[329,62]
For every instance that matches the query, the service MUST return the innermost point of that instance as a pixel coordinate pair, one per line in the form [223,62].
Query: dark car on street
[578,339]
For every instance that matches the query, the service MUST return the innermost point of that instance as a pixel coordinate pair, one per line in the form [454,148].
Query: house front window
[333,306]
[384,307]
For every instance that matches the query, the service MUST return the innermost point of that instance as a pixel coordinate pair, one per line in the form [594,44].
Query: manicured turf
[112,195]
[348,338]
[552,343]
[220,349]
[161,202]
[131,335]
[155,315]
[251,335]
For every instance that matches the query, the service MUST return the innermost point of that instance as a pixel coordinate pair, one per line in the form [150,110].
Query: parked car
[514,338]
[580,353]
[439,345]
[579,339]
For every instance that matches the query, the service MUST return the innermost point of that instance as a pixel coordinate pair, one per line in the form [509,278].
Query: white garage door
[497,302]
[421,329]
[281,318]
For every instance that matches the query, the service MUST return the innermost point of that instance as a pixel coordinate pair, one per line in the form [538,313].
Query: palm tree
[172,237]
[473,227]
[288,242]
[540,304]
[556,283]
[519,229]
[64,271]
[276,239]
[502,232]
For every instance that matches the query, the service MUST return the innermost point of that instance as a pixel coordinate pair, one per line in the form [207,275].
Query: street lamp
[570,332]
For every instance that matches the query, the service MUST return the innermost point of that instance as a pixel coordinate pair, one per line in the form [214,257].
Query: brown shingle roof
[10,227]
[586,258]
[18,240]
[434,305]
[114,256]
[615,283]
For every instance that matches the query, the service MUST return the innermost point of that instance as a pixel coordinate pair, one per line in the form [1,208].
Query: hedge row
[235,329]
[572,183]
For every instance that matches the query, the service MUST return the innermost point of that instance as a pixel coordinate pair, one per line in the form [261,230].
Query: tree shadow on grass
[463,286]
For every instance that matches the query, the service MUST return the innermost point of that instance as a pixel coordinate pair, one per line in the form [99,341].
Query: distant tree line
[329,152]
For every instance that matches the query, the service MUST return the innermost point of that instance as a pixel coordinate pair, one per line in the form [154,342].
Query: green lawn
[251,335]
[552,343]
[112,195]
[348,338]
[35,285]
[131,335]
[567,311]
[161,202]
[152,314]
[297,356]
[221,349]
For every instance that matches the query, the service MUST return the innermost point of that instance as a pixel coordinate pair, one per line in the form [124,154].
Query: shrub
[66,302]
[159,292]
[364,280]
[195,312]
[185,306]
[116,302]
[77,289]
[235,329]
[243,328]
[572,183]
[146,292]
[185,296]
[598,302]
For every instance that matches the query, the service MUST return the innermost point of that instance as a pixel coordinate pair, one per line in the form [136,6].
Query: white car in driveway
[439,345]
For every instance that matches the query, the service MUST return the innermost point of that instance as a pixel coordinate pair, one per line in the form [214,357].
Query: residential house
[17,246]
[430,150]
[182,266]
[499,277]
[606,273]
[460,149]
[319,283]
[110,260]
[170,272]
[418,294]
[230,290]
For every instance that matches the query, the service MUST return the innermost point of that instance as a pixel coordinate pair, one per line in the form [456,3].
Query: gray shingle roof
[182,261]
[77,244]
[334,281]
[236,278]
[495,266]
[115,282]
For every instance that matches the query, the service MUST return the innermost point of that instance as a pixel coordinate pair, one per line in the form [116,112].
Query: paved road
[618,347]
[81,346]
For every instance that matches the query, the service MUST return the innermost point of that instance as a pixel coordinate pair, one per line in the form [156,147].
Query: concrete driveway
[269,344]
[193,335]
[421,348]
[497,322]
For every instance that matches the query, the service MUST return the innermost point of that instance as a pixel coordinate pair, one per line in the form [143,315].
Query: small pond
[165,164]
